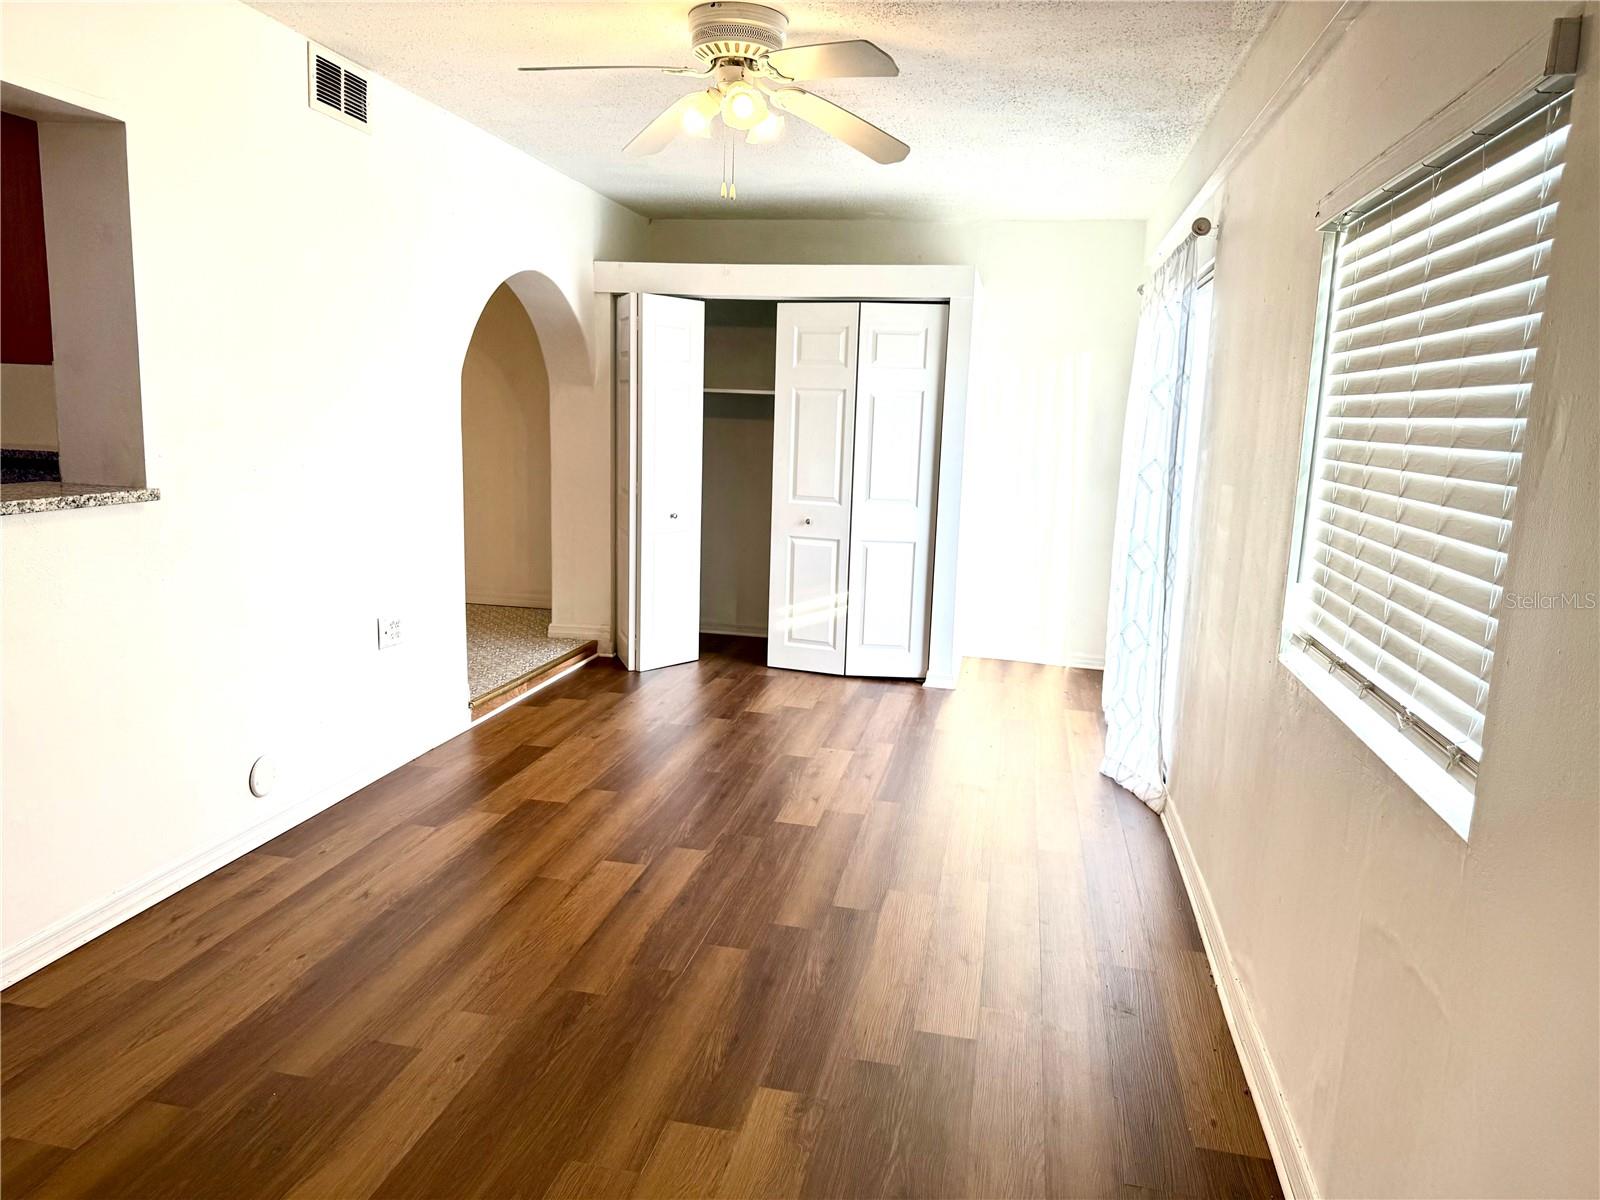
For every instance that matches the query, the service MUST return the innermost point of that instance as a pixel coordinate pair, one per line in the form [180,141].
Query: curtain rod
[1200,227]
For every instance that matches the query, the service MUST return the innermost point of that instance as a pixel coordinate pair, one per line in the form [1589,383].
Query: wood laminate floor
[709,931]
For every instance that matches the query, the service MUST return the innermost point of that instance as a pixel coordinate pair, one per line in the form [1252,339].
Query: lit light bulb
[743,107]
[697,118]
[769,130]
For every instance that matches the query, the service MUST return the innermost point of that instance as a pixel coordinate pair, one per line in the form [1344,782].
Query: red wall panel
[24,275]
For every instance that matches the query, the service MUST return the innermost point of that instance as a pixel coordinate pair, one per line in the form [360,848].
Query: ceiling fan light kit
[753,74]
[743,106]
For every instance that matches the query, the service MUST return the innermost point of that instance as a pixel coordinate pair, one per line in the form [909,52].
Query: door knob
[674,516]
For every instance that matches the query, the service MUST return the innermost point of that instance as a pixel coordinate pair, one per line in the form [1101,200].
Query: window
[1428,337]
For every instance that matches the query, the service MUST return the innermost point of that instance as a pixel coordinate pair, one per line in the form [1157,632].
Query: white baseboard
[1086,662]
[1283,1139]
[601,634]
[945,682]
[67,934]
[598,632]
[734,630]
[511,599]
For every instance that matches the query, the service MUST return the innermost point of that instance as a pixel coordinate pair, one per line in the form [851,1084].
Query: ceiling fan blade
[843,124]
[622,67]
[656,135]
[832,60]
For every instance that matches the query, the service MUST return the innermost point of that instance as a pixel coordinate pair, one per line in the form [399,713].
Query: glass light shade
[698,117]
[743,107]
[769,130]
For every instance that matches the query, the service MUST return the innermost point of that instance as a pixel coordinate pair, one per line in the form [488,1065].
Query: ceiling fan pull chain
[733,167]
[724,163]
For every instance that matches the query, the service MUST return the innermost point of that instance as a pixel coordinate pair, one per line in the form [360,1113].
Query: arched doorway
[513,363]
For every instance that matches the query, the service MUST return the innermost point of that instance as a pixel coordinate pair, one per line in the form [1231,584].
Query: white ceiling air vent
[336,86]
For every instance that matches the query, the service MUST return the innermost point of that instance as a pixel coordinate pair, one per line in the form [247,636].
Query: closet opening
[736,472]
[787,465]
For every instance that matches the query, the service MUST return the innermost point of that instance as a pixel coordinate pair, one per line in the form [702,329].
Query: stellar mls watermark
[1576,601]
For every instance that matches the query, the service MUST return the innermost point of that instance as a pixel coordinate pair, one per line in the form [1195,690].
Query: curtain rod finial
[1201,226]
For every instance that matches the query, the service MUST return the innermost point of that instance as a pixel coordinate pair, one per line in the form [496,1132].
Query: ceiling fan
[754,79]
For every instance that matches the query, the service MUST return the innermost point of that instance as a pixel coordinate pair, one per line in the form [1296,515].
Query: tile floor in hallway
[505,643]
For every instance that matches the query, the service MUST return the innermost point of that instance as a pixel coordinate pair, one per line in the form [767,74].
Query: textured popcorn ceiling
[1016,110]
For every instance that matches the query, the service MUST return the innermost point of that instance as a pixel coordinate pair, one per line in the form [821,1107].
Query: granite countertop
[53,497]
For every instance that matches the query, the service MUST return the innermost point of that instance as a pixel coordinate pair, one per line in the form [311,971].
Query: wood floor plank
[816,1027]
[611,949]
[771,1152]
[529,965]
[1222,1115]
[810,893]
[866,872]
[271,1132]
[734,1056]
[24,1165]
[725,879]
[129,1056]
[1007,1152]
[933,1103]
[815,786]
[534,1097]
[363,1156]
[863,776]
[684,1162]
[132,943]
[881,1017]
[589,1181]
[639,1110]
[1012,952]
[1156,1149]
[952,979]
[714,930]
[1083,1144]
[101,1165]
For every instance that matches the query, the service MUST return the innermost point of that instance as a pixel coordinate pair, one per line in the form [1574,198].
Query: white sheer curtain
[1144,551]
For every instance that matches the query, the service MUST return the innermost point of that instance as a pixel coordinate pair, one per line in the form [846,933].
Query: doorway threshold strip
[520,686]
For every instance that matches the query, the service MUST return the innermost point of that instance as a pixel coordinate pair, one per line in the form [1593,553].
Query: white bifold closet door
[813,420]
[891,510]
[625,619]
[669,380]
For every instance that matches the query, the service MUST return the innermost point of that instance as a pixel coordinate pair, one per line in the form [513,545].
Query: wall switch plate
[389,632]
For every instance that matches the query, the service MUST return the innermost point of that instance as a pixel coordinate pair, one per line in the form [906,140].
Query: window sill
[1438,789]
[20,498]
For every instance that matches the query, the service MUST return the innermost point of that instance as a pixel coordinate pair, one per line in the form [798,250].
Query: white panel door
[670,375]
[813,421]
[891,512]
[626,470]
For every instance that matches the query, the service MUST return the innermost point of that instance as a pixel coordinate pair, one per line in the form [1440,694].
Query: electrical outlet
[389,632]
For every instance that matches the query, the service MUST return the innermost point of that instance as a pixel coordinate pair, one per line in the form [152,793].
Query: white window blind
[1433,313]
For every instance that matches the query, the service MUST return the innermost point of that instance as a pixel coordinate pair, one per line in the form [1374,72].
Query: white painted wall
[1053,344]
[505,453]
[1430,1006]
[305,297]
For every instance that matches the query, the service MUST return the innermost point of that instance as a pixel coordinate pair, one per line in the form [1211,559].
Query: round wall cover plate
[262,776]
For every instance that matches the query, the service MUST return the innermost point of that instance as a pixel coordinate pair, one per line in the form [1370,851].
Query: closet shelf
[721,391]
